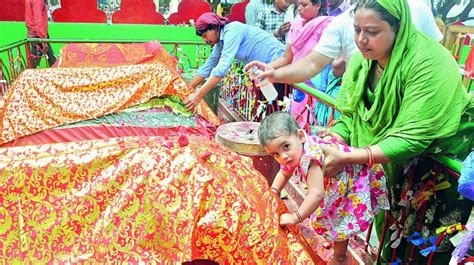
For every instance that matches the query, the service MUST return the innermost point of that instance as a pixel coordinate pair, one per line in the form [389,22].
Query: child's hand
[288,219]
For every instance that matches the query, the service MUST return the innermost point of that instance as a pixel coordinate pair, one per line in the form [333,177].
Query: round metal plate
[242,137]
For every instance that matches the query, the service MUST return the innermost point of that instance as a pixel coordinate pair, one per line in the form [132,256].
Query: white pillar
[174,6]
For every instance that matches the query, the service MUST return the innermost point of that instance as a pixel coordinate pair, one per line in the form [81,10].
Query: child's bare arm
[281,179]
[313,198]
[315,193]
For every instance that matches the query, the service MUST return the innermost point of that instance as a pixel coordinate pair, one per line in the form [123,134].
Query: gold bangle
[299,216]
[371,156]
[277,192]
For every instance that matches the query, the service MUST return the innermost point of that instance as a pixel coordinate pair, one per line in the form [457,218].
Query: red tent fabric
[189,9]
[237,12]
[138,12]
[12,10]
[79,11]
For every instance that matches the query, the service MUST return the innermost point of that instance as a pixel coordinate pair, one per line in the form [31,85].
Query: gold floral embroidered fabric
[139,199]
[41,99]
[114,54]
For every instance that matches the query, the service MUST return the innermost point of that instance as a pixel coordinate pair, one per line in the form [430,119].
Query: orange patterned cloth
[114,54]
[139,199]
[41,99]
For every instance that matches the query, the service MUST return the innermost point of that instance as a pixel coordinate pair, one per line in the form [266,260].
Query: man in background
[36,20]
[252,9]
[271,19]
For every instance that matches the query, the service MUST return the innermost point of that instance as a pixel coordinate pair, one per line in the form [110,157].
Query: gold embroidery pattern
[41,99]
[139,199]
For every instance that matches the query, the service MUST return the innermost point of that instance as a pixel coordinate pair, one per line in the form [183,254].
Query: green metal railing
[105,41]
[321,96]
[16,57]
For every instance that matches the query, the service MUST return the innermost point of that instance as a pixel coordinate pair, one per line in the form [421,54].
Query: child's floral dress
[352,198]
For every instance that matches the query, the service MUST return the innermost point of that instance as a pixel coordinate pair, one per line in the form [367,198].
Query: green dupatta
[418,99]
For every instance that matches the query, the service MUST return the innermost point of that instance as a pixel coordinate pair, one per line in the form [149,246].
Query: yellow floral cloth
[41,99]
[139,199]
[114,54]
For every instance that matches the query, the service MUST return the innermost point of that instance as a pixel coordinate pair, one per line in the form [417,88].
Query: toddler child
[341,207]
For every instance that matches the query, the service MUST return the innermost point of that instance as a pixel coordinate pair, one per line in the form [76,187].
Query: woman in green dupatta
[402,97]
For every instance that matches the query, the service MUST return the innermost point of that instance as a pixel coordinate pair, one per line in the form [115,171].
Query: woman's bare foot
[338,261]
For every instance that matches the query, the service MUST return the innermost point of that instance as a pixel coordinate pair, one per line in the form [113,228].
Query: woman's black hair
[323,11]
[383,13]
[201,32]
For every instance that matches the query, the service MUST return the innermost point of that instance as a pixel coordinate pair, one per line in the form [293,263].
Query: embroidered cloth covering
[42,99]
[140,199]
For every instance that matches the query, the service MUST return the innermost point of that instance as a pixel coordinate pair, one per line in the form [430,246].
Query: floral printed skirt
[351,201]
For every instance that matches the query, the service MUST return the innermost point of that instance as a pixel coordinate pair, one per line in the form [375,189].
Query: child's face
[287,150]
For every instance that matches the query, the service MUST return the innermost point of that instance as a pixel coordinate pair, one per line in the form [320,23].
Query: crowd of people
[401,99]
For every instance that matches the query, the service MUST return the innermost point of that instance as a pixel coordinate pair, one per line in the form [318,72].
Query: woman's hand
[266,70]
[261,66]
[334,137]
[288,219]
[339,67]
[333,161]
[192,100]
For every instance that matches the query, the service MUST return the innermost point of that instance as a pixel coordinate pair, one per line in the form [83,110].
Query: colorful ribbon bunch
[432,248]
[397,232]
[460,251]
[450,229]
[285,104]
[423,195]
[425,247]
